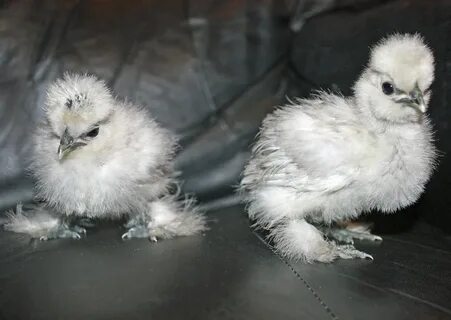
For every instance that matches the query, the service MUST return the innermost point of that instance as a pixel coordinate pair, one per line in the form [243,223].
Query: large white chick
[319,162]
[97,157]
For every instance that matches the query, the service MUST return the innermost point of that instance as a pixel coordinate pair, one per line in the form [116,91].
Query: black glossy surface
[228,273]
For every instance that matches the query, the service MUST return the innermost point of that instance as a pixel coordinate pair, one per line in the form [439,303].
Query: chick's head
[395,85]
[78,110]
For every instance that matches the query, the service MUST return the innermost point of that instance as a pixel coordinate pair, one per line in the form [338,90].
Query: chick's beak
[417,100]
[66,145]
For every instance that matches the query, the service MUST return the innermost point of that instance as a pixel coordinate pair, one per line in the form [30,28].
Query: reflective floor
[228,273]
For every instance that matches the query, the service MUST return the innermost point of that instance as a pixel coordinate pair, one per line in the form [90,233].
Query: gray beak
[417,101]
[66,145]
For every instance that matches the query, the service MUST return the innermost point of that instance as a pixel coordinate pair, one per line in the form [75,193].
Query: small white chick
[97,157]
[329,159]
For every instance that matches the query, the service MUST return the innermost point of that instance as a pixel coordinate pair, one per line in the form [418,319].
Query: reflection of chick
[329,158]
[97,157]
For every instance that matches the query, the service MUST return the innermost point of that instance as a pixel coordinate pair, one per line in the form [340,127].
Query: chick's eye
[387,88]
[93,133]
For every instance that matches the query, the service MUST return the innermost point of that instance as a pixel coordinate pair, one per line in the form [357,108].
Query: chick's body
[98,157]
[324,155]
[106,180]
[329,159]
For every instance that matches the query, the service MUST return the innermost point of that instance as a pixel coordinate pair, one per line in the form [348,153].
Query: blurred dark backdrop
[210,71]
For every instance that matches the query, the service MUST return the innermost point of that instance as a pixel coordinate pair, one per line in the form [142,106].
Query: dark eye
[68,103]
[387,88]
[93,133]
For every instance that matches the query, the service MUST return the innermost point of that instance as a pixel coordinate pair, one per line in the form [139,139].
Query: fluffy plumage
[97,157]
[330,158]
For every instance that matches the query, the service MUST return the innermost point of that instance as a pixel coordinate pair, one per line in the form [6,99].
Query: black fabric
[228,273]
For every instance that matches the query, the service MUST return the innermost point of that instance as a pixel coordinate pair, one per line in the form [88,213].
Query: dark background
[210,71]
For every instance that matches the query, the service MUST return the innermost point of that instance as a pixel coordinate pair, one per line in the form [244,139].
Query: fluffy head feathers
[406,58]
[77,103]
[394,88]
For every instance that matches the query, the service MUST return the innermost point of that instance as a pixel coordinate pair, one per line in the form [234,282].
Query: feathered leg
[280,210]
[299,240]
[40,222]
[166,218]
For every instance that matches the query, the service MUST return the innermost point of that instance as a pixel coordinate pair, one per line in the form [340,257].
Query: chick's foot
[64,231]
[349,252]
[348,236]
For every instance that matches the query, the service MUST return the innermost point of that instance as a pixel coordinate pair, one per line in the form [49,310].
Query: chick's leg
[64,230]
[166,218]
[42,223]
[281,211]
[347,232]
[298,239]
[137,228]
[67,227]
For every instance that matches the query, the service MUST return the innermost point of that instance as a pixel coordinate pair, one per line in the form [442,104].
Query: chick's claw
[136,232]
[364,236]
[70,234]
[349,252]
[79,230]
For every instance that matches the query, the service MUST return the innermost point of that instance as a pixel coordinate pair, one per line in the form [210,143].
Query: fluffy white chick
[97,157]
[328,159]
